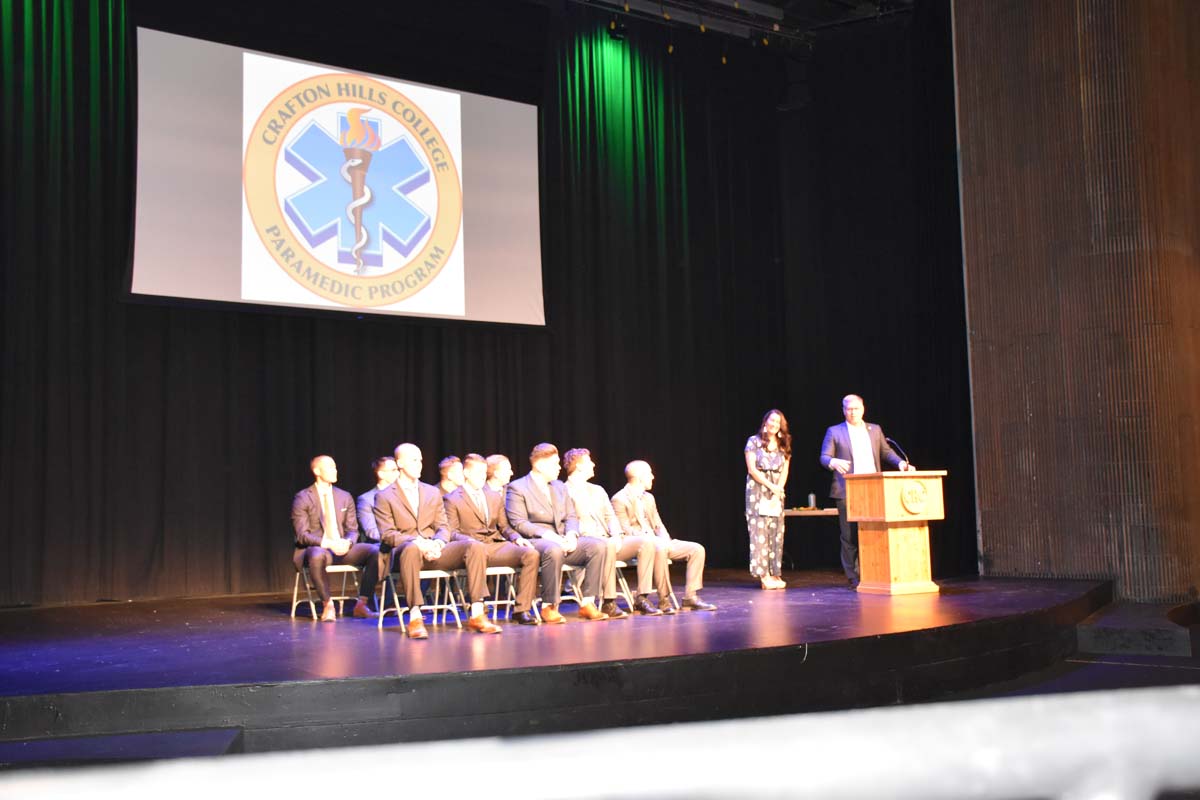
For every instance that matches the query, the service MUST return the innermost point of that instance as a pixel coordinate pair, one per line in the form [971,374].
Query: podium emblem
[913,496]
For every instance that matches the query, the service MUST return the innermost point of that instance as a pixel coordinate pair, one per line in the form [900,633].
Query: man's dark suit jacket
[463,517]
[530,514]
[837,445]
[366,514]
[308,521]
[399,524]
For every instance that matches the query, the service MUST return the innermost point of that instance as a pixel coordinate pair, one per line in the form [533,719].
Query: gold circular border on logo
[914,496]
[262,200]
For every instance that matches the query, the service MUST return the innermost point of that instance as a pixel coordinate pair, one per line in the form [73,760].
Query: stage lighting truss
[758,24]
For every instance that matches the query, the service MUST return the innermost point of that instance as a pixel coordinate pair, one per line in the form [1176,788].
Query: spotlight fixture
[616,29]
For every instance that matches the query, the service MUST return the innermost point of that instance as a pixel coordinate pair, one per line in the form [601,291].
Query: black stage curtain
[874,280]
[153,451]
[692,280]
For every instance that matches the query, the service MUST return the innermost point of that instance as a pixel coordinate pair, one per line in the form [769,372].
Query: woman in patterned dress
[768,455]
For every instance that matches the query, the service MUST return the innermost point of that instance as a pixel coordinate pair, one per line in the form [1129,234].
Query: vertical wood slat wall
[1079,147]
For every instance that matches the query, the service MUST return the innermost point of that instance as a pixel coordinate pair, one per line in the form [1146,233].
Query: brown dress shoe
[361,609]
[613,610]
[416,629]
[481,624]
[329,614]
[551,616]
[591,613]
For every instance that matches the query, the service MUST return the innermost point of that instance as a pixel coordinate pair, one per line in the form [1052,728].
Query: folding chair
[674,600]
[575,576]
[509,593]
[346,570]
[622,585]
[442,585]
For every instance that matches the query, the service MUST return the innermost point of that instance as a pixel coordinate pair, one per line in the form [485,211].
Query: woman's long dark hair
[784,435]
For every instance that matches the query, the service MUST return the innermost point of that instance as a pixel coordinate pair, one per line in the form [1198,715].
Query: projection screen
[278,182]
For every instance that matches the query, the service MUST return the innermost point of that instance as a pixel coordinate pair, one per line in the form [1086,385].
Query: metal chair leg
[312,606]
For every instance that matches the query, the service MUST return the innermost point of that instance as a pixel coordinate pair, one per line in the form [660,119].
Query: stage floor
[252,640]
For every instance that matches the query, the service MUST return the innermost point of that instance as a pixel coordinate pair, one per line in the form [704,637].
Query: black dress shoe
[696,604]
[613,610]
[644,606]
[525,618]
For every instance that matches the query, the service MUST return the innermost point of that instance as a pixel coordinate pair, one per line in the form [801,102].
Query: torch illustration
[358,141]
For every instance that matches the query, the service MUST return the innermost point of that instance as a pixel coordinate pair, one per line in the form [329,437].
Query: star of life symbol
[379,178]
[343,169]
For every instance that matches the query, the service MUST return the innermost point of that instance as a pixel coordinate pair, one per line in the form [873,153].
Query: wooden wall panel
[1079,130]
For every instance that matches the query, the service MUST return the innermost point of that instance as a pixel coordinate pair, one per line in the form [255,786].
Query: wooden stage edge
[240,671]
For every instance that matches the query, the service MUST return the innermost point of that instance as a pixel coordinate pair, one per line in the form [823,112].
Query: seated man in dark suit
[412,520]
[638,513]
[477,513]
[326,532]
[539,508]
[385,471]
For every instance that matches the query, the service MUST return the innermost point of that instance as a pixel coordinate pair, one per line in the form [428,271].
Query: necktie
[331,526]
[481,506]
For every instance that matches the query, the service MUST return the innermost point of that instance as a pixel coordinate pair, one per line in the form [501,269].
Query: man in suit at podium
[854,446]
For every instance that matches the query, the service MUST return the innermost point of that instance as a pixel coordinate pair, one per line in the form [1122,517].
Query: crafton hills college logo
[356,186]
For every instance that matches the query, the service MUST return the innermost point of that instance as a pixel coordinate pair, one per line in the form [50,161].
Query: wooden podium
[892,510]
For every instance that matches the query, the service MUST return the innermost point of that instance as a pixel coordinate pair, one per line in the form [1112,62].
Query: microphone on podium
[899,449]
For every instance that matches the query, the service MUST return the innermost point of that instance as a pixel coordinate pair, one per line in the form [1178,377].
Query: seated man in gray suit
[412,520]
[596,518]
[385,470]
[638,514]
[854,446]
[326,532]
[539,508]
[476,512]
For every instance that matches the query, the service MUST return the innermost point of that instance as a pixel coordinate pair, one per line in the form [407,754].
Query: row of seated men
[534,524]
